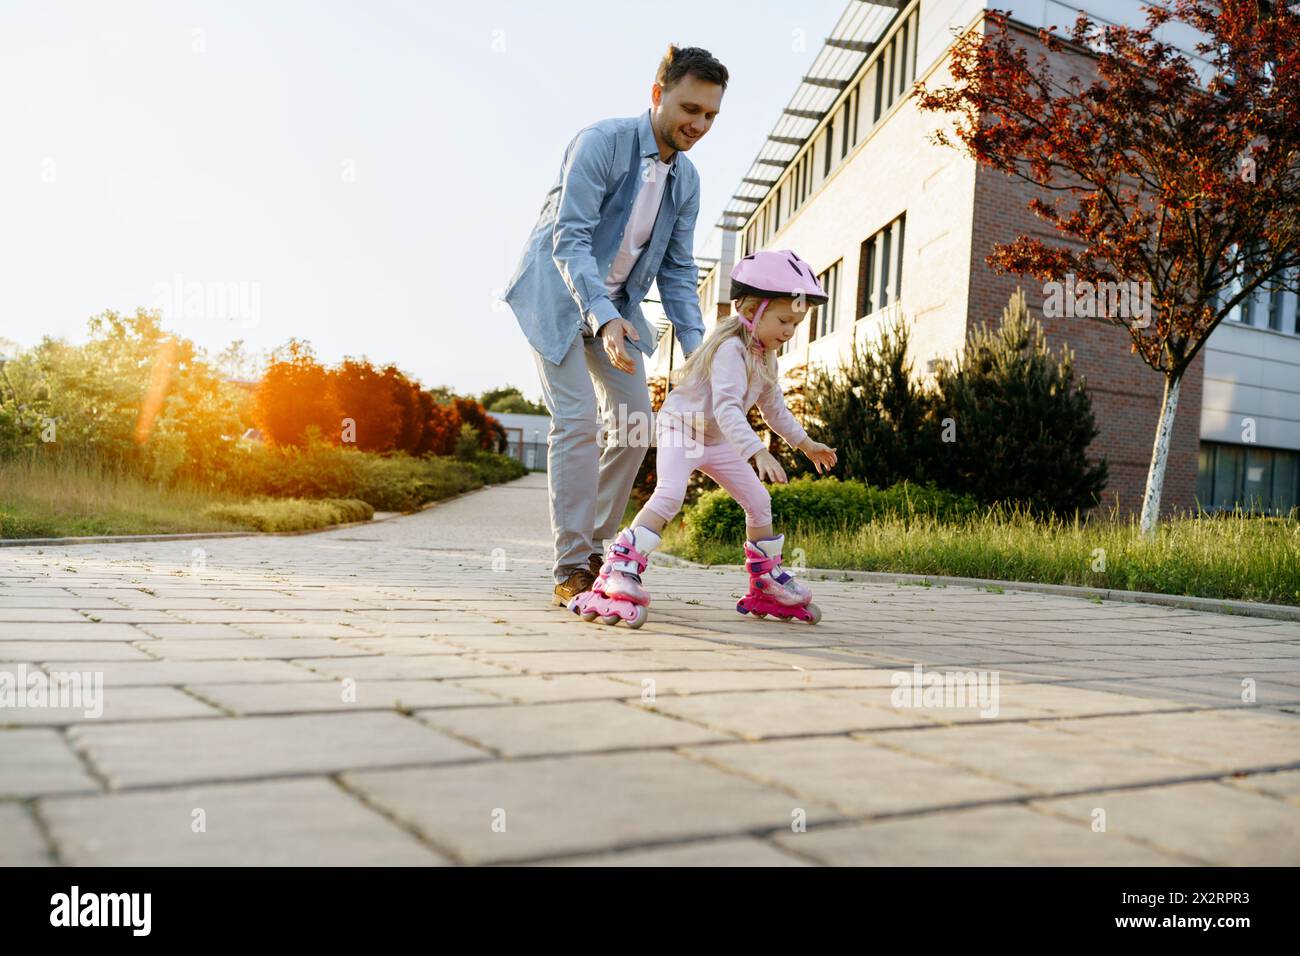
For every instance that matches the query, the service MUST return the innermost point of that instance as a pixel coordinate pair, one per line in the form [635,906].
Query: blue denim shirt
[559,289]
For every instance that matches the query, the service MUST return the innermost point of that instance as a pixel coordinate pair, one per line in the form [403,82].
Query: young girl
[703,425]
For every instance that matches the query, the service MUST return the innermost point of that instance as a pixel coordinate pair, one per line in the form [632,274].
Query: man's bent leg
[629,424]
[572,457]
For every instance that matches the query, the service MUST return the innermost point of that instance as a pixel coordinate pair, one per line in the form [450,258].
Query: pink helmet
[774,275]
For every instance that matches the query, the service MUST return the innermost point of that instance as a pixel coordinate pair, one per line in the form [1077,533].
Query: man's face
[683,114]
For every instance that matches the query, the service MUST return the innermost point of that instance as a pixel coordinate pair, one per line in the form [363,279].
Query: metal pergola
[855,35]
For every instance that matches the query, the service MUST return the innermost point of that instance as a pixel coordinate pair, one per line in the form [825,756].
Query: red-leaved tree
[294,394]
[1181,176]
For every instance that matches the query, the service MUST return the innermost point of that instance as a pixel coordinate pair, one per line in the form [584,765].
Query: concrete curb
[1278,612]
[205,535]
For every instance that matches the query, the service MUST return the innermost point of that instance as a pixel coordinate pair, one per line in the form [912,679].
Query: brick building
[900,227]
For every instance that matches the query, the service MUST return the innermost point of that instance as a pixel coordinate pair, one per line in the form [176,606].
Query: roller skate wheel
[639,614]
[607,618]
[759,614]
[814,612]
[587,615]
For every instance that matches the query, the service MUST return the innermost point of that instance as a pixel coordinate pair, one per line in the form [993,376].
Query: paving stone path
[402,693]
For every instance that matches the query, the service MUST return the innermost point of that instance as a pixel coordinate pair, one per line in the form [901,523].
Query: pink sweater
[720,404]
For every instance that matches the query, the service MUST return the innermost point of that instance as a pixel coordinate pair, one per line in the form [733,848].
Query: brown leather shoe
[594,562]
[577,582]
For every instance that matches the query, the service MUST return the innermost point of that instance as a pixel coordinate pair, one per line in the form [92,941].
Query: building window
[822,321]
[898,265]
[1275,300]
[880,80]
[902,63]
[885,260]
[830,148]
[866,270]
[1264,480]
[776,209]
[881,258]
[854,108]
[890,56]
[844,131]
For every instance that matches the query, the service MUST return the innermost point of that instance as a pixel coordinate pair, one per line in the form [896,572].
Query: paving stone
[1222,740]
[176,673]
[573,727]
[33,651]
[1092,699]
[199,616]
[257,649]
[17,632]
[759,714]
[697,682]
[566,806]
[857,777]
[538,689]
[1009,700]
[21,843]
[573,662]
[148,754]
[1207,821]
[309,696]
[1279,783]
[744,851]
[1040,756]
[393,667]
[268,823]
[109,704]
[196,632]
[11,613]
[37,761]
[975,837]
[404,646]
[295,630]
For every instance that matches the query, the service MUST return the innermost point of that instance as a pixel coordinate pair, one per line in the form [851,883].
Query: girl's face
[778,323]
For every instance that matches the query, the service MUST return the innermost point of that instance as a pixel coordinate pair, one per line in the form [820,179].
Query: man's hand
[611,334]
[769,469]
[823,456]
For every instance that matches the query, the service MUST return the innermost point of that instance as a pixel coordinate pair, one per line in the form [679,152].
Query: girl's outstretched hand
[823,456]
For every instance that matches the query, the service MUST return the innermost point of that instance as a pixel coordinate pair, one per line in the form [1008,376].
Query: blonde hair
[698,367]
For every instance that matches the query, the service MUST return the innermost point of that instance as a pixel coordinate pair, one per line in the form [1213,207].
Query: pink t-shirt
[716,410]
[640,223]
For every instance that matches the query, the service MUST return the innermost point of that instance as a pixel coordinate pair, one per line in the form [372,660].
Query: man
[620,216]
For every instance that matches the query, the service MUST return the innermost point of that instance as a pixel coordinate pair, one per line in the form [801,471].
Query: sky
[361,175]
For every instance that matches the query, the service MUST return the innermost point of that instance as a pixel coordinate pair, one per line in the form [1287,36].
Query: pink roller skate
[617,594]
[772,589]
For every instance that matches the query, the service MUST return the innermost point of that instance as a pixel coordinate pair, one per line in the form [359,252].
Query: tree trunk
[1160,455]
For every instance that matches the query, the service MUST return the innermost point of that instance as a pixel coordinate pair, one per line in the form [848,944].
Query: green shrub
[395,482]
[823,504]
[493,469]
[468,442]
[1019,422]
[874,413]
[290,514]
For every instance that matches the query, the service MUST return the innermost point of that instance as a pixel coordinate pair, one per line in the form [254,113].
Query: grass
[73,495]
[1231,556]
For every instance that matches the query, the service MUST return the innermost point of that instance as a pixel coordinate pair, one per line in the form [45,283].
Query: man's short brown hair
[682,60]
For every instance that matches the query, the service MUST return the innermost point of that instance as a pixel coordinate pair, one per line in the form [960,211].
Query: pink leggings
[677,458]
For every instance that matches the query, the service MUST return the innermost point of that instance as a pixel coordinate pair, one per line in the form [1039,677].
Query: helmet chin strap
[752,324]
